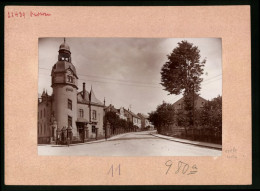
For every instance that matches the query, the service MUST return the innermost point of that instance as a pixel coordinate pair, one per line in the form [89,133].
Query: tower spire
[64,40]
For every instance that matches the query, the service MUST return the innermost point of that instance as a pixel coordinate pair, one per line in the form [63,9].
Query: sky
[126,71]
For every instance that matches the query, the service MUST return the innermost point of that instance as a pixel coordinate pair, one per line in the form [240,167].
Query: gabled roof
[133,114]
[112,108]
[143,115]
[181,99]
[82,99]
[87,98]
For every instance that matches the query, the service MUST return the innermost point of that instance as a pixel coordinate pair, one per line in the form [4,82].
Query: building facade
[132,117]
[68,113]
[145,123]
[198,103]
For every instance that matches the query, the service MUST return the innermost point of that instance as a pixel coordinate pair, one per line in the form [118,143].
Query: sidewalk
[89,142]
[185,141]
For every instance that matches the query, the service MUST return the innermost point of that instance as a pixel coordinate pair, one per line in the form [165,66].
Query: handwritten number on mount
[111,170]
[194,169]
[169,164]
[182,167]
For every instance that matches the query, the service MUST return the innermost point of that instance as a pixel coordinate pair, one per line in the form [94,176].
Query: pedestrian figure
[68,141]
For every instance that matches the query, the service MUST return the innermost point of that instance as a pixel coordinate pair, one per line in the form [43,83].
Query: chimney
[84,90]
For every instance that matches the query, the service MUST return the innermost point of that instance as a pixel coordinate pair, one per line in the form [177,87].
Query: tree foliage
[116,122]
[210,116]
[182,71]
[163,117]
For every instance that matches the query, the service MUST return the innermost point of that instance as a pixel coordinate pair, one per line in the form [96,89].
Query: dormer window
[70,79]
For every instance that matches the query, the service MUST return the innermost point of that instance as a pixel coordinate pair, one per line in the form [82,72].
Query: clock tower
[65,85]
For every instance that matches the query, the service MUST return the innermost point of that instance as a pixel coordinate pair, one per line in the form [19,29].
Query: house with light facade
[132,117]
[67,112]
[125,115]
[145,123]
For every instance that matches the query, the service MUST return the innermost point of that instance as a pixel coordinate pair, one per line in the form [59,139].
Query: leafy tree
[183,69]
[155,119]
[163,117]
[113,119]
[181,74]
[210,116]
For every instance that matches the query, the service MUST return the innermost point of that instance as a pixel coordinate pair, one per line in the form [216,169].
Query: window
[94,114]
[44,128]
[70,79]
[41,128]
[81,113]
[69,121]
[44,112]
[69,104]
[93,129]
[41,113]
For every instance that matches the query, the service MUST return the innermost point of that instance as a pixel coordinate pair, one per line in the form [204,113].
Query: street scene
[136,97]
[134,144]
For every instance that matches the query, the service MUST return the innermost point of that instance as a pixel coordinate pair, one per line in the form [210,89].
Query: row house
[145,123]
[125,115]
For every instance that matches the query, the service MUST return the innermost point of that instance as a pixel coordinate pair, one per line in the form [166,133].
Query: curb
[196,144]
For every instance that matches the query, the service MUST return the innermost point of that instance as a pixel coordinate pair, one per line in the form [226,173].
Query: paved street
[130,144]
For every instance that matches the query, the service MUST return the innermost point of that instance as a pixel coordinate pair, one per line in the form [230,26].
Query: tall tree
[183,69]
[181,74]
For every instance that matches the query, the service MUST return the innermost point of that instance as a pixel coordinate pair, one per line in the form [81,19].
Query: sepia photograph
[129,96]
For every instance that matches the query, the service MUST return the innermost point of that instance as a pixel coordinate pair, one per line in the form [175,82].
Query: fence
[204,134]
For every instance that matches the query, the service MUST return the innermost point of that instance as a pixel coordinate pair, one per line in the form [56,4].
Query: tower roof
[93,97]
[62,66]
[64,46]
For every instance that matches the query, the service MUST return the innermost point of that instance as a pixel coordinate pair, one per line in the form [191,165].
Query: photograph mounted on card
[127,95]
[136,97]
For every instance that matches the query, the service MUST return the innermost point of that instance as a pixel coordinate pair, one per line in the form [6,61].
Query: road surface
[130,144]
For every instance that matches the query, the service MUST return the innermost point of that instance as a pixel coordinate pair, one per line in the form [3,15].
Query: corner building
[67,112]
